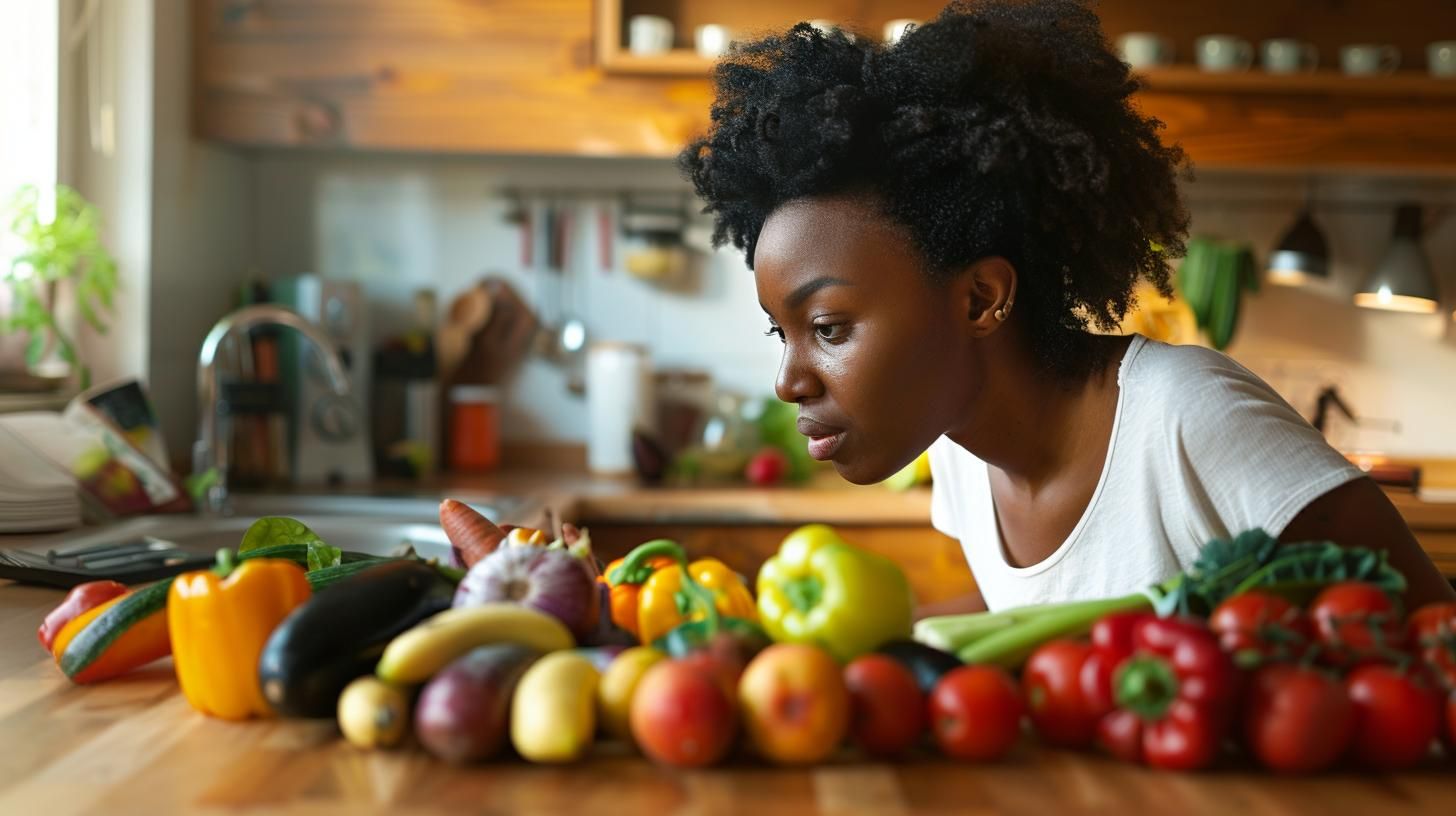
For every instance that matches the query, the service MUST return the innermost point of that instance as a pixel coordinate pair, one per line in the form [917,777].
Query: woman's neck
[1032,425]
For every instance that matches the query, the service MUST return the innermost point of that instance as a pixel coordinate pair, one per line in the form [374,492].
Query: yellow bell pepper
[820,590]
[219,626]
[665,602]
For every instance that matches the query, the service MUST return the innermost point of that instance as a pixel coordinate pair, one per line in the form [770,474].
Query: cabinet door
[508,76]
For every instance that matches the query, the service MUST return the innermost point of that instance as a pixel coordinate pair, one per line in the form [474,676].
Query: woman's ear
[986,293]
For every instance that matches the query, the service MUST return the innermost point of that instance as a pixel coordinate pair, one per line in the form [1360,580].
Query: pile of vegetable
[1296,654]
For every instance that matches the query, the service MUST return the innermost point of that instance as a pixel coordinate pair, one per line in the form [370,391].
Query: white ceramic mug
[712,40]
[1141,49]
[1369,60]
[649,34]
[1441,58]
[895,29]
[1288,56]
[1222,52]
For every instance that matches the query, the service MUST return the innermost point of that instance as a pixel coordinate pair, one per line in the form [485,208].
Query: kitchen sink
[151,547]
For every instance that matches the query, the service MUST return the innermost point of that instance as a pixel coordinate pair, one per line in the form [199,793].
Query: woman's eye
[775,330]
[830,331]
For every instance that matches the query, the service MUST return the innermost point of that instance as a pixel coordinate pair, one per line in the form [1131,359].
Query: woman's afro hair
[1001,128]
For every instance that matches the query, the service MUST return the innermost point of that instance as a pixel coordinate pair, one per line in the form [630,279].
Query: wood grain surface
[133,746]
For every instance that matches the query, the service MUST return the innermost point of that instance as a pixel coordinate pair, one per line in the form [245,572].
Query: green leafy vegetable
[272,531]
[321,555]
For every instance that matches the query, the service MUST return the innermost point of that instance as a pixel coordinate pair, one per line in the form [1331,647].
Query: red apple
[682,716]
[795,704]
[889,710]
[767,467]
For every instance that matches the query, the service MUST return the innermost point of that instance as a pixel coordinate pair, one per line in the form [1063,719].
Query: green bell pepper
[820,590]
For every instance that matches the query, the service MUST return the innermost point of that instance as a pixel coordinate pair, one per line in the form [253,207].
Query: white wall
[1388,366]
[398,223]
[176,209]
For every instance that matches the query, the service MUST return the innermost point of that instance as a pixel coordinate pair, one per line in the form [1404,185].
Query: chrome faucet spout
[210,453]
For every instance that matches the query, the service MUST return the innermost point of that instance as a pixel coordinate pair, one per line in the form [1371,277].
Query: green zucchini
[90,643]
[93,641]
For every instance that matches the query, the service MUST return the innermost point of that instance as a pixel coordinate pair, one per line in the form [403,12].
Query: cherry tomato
[1431,631]
[1397,717]
[1356,622]
[888,708]
[975,712]
[1257,624]
[1059,706]
[1297,719]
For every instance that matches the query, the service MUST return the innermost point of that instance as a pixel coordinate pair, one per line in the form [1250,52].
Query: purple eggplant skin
[464,712]
[926,663]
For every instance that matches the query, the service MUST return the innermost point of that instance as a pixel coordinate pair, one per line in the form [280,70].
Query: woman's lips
[823,447]
[824,440]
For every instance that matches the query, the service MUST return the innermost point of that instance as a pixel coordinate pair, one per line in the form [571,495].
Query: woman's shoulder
[1191,377]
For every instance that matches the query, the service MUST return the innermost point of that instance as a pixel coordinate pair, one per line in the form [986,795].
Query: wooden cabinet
[554,77]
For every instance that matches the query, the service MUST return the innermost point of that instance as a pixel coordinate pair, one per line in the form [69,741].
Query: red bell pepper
[80,599]
[1171,687]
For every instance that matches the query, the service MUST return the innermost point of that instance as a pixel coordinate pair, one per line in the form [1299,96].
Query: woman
[934,227]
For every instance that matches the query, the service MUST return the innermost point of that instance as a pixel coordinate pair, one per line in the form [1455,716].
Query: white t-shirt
[1201,448]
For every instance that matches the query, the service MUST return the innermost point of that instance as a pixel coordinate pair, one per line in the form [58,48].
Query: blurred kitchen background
[372,162]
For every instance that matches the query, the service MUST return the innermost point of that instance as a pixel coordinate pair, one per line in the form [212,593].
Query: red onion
[550,581]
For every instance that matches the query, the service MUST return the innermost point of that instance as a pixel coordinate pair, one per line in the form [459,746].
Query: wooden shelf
[677,62]
[1400,85]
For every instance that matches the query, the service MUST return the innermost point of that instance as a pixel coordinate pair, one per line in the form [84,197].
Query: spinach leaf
[321,555]
[272,531]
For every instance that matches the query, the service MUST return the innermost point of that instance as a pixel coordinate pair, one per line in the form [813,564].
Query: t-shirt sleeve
[1243,454]
[943,512]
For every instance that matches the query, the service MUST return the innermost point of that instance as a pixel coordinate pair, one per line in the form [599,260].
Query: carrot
[472,535]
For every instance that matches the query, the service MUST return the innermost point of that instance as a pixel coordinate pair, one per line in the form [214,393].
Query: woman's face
[873,349]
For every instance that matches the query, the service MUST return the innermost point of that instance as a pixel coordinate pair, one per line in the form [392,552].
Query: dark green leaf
[271,531]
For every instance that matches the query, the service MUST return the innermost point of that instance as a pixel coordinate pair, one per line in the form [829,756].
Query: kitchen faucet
[210,453]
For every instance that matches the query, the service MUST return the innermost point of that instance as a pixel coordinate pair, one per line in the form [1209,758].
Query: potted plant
[60,246]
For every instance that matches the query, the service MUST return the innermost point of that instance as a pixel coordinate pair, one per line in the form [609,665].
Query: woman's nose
[796,381]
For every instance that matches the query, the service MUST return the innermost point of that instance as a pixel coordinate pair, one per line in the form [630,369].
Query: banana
[417,654]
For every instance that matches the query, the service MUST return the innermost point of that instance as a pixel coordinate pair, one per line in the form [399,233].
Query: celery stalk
[1010,646]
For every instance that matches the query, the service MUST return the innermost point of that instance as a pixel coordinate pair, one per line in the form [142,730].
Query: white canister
[618,399]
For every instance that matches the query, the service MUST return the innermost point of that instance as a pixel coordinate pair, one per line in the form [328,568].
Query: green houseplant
[60,246]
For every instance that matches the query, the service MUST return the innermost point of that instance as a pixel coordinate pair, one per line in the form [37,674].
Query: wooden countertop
[133,746]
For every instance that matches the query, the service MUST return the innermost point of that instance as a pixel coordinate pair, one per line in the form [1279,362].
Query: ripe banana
[417,654]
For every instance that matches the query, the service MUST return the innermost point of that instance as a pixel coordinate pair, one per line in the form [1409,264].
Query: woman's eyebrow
[798,296]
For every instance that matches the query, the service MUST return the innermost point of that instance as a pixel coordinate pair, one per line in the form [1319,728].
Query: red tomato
[681,716]
[888,708]
[1432,634]
[1297,719]
[1259,624]
[1356,622]
[1059,707]
[1451,718]
[1396,717]
[976,713]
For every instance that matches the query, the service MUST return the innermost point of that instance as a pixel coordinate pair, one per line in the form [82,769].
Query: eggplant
[926,663]
[339,634]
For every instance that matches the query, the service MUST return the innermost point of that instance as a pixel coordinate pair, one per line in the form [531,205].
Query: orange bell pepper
[141,643]
[623,594]
[220,625]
